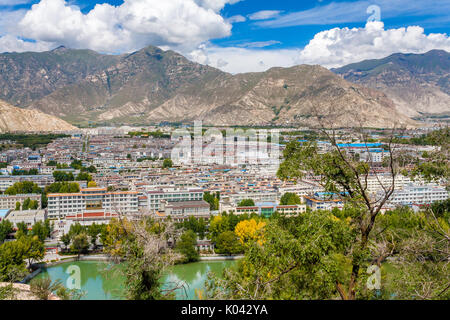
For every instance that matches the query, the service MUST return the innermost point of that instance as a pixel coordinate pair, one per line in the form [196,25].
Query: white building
[92,202]
[415,194]
[154,198]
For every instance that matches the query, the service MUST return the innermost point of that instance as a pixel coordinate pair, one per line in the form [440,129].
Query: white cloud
[264,15]
[179,24]
[236,18]
[341,46]
[215,5]
[331,48]
[238,60]
[10,43]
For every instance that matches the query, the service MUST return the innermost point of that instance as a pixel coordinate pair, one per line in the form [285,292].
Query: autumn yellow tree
[92,184]
[250,231]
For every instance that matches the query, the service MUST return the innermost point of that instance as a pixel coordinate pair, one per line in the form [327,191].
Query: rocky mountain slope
[13,119]
[418,83]
[151,85]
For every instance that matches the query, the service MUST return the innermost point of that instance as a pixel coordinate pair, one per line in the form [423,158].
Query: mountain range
[419,84]
[152,85]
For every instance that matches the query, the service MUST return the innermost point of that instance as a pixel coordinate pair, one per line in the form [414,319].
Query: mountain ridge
[152,85]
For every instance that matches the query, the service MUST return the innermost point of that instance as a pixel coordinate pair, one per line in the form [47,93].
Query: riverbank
[219,258]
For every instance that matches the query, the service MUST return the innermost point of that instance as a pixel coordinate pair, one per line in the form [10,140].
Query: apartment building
[416,194]
[92,202]
[40,180]
[184,209]
[9,202]
[155,197]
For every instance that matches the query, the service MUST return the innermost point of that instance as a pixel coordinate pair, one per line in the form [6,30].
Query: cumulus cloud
[11,43]
[179,24]
[341,46]
[331,48]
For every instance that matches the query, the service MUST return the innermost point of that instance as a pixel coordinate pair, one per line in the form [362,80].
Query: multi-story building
[10,201]
[181,210]
[92,202]
[323,201]
[154,198]
[29,217]
[418,194]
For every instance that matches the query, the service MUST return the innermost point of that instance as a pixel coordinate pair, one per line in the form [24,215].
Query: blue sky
[236,36]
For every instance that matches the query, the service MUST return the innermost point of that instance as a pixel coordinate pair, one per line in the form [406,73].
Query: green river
[102,281]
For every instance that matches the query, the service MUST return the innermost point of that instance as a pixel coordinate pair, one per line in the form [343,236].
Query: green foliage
[23,187]
[43,288]
[31,172]
[194,224]
[246,203]
[63,176]
[80,243]
[186,246]
[212,199]
[167,163]
[6,227]
[32,141]
[301,258]
[84,176]
[77,164]
[290,199]
[41,229]
[228,243]
[62,187]
[8,292]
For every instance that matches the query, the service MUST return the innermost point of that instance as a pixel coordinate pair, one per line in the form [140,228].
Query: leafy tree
[228,243]
[143,244]
[92,184]
[6,227]
[290,199]
[17,206]
[167,163]
[63,176]
[22,229]
[246,203]
[186,246]
[66,239]
[301,258]
[80,243]
[23,187]
[26,204]
[212,199]
[41,230]
[84,176]
[250,231]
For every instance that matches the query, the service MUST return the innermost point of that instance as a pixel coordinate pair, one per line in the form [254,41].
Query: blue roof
[3,212]
[359,145]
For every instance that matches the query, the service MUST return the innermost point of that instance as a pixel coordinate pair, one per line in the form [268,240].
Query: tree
[80,244]
[186,246]
[218,225]
[144,246]
[66,239]
[246,203]
[23,187]
[341,175]
[290,199]
[250,231]
[22,229]
[84,176]
[228,243]
[6,227]
[212,199]
[43,288]
[63,176]
[94,231]
[41,230]
[92,184]
[26,204]
[301,258]
[17,206]
[167,163]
